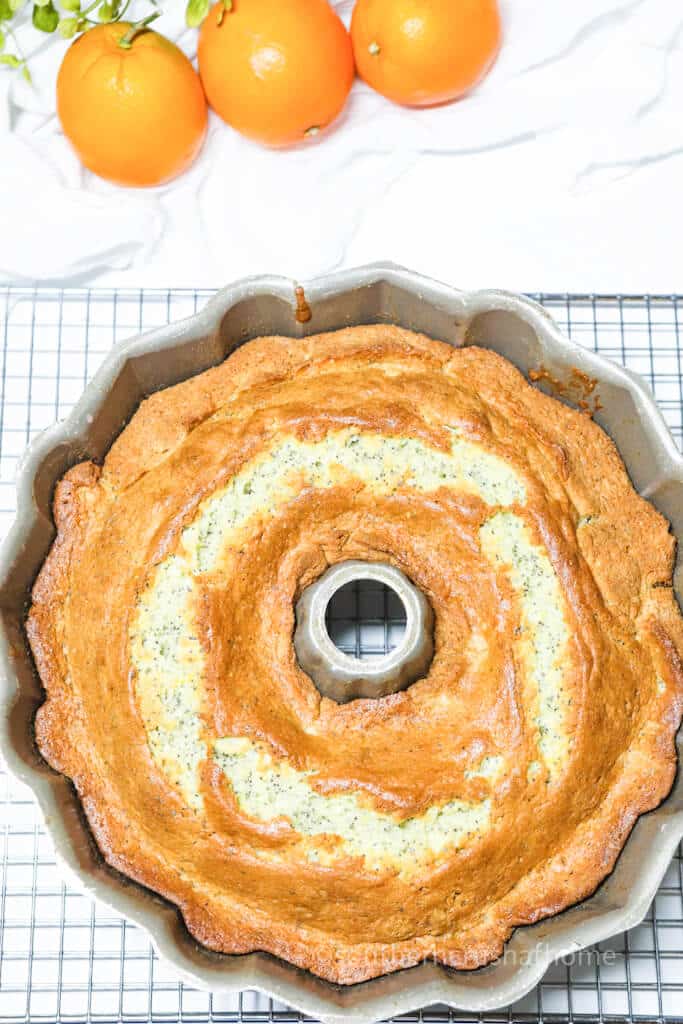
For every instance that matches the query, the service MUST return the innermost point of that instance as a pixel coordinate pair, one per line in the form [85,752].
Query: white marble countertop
[562,172]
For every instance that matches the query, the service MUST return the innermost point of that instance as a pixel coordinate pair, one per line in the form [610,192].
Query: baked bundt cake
[357,838]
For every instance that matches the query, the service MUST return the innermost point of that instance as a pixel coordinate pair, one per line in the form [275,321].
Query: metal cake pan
[521,331]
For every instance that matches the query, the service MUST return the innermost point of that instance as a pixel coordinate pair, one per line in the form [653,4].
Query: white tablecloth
[563,171]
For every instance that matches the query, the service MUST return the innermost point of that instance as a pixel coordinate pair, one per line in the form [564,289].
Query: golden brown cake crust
[548,845]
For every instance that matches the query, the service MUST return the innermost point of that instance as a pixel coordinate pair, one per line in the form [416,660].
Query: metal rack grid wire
[64,958]
[366,619]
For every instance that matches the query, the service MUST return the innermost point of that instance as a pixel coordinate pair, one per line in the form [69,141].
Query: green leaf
[68,27]
[16,5]
[227,7]
[2,41]
[106,12]
[10,60]
[195,12]
[45,16]
[71,5]
[6,12]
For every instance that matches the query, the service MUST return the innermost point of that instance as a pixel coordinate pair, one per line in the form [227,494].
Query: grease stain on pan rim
[343,298]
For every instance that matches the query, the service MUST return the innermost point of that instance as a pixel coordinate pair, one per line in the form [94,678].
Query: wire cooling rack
[366,619]
[63,958]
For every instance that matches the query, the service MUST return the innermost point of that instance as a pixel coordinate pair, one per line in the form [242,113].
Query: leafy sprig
[14,60]
[70,18]
[197,10]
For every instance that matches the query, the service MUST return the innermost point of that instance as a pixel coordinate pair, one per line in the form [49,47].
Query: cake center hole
[365,619]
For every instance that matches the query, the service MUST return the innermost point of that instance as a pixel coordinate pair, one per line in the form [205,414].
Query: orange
[423,52]
[134,116]
[276,70]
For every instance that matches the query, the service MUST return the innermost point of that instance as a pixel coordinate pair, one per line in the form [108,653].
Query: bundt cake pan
[515,327]
[342,677]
